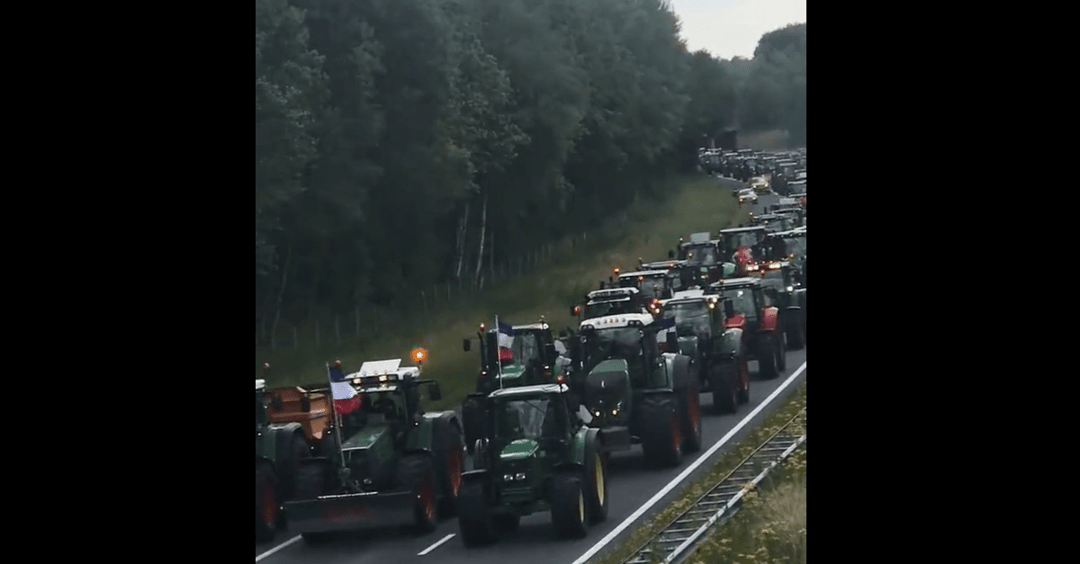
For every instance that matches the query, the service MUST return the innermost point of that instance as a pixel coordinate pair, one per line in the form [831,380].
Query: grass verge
[647,230]
[725,463]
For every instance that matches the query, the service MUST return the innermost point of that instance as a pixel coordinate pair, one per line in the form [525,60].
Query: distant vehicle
[747,195]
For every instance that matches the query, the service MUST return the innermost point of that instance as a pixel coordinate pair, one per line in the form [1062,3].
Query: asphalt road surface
[630,485]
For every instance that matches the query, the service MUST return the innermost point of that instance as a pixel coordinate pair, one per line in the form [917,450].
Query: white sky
[730,28]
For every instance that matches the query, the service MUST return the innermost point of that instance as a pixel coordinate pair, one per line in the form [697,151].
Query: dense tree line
[774,91]
[396,140]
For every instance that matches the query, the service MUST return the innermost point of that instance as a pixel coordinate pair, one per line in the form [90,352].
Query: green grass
[647,230]
[724,463]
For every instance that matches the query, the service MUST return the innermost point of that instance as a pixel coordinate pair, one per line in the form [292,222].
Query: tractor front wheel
[766,357]
[313,480]
[416,472]
[724,386]
[474,519]
[663,435]
[596,478]
[569,511]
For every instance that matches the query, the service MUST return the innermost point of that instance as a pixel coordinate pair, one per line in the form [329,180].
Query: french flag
[506,341]
[346,399]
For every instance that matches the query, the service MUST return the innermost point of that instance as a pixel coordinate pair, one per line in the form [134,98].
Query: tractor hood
[512,372]
[607,384]
[520,449]
[366,438]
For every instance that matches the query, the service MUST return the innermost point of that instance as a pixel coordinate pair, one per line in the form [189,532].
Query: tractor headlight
[508,477]
[614,412]
[597,413]
[520,476]
[790,289]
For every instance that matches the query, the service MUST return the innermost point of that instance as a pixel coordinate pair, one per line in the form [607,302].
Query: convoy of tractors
[359,451]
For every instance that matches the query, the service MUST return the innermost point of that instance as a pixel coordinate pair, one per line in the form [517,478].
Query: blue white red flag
[346,398]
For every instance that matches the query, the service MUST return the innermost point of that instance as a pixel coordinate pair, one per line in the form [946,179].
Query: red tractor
[761,333]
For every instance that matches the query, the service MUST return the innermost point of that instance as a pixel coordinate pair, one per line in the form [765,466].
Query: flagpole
[498,346]
[334,417]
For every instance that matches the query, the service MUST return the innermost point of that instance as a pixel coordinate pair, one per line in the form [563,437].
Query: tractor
[634,393]
[653,284]
[389,461]
[703,257]
[536,455]
[784,287]
[762,335]
[718,355]
[742,246]
[533,358]
[612,301]
[279,449]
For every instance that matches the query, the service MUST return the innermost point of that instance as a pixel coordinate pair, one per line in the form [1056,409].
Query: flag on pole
[506,340]
[346,399]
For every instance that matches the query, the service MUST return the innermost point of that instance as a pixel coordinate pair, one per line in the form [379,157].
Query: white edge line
[689,470]
[277,548]
[436,545]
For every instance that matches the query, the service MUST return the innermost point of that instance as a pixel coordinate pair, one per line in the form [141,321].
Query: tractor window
[743,300]
[524,419]
[526,347]
[691,318]
[703,255]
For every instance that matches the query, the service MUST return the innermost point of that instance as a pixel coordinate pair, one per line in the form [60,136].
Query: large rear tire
[724,386]
[474,519]
[569,509]
[451,463]
[313,480]
[596,479]
[266,503]
[416,473]
[766,357]
[662,440]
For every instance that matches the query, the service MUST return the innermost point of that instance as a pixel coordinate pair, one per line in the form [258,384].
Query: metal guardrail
[678,539]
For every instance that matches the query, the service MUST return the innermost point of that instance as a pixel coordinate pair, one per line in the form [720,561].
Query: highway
[630,486]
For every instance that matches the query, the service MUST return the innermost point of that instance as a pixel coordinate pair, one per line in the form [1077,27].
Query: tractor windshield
[523,419]
[651,286]
[732,241]
[623,342]
[526,347]
[743,300]
[702,254]
[613,307]
[691,318]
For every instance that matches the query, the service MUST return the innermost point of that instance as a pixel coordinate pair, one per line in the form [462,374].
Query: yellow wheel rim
[599,480]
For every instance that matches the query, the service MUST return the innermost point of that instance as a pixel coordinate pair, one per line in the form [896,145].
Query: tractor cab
[742,246]
[703,257]
[613,301]
[653,284]
[774,222]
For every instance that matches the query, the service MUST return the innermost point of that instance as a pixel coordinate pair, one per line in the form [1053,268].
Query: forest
[408,143]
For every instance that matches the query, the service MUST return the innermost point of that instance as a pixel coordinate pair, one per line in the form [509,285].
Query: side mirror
[466,345]
[672,341]
[729,308]
[434,391]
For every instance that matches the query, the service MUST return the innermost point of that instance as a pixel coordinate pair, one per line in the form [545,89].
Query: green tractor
[719,357]
[532,358]
[279,450]
[536,455]
[389,461]
[633,392]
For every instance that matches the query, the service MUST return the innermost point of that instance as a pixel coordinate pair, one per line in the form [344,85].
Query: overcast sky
[730,28]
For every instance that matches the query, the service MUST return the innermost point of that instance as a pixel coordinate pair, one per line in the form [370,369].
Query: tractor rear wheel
[744,379]
[596,479]
[569,510]
[687,390]
[796,333]
[416,473]
[266,503]
[450,463]
[766,357]
[724,386]
[474,519]
[662,440]
[313,480]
